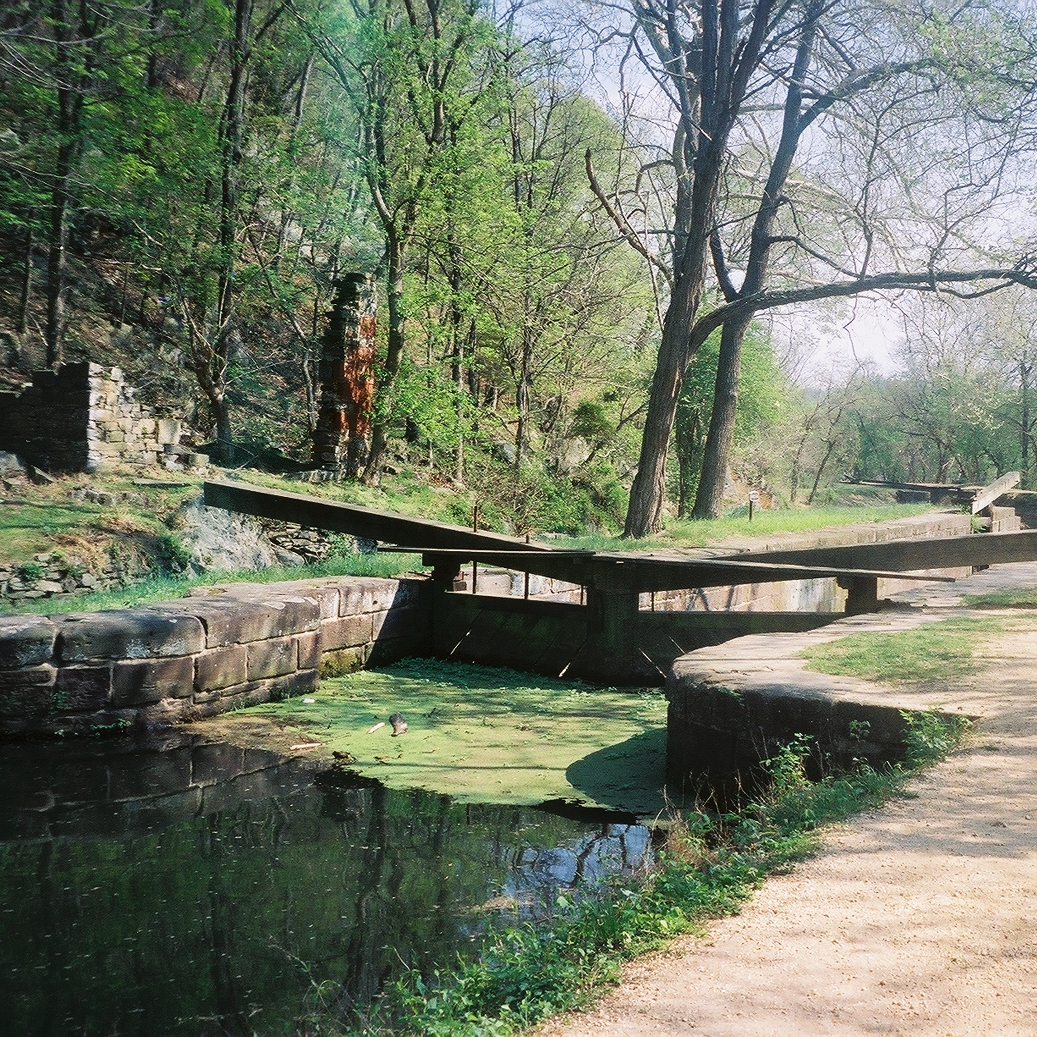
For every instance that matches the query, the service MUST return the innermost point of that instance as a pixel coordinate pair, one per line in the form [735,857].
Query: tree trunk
[393,356]
[725,404]
[830,449]
[70,106]
[522,386]
[710,493]
[644,513]
[224,438]
[25,295]
[1024,441]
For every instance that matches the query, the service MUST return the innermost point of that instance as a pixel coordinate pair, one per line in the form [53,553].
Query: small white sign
[754,496]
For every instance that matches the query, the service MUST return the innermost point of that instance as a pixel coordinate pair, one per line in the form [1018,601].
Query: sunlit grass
[1017,597]
[158,589]
[935,651]
[703,533]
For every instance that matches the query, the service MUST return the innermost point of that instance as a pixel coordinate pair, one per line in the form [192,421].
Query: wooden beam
[645,573]
[904,556]
[990,493]
[619,573]
[422,534]
[622,572]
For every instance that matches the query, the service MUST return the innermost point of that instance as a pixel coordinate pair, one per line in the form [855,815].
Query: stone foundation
[224,648]
[82,418]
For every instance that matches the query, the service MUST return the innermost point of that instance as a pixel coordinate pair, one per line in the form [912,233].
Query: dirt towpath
[919,918]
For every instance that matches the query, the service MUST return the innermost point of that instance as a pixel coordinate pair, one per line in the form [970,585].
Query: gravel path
[920,918]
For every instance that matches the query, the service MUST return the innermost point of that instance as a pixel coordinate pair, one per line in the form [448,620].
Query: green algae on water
[481,734]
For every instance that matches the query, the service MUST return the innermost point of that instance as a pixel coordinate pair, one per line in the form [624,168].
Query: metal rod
[525,593]
[475,529]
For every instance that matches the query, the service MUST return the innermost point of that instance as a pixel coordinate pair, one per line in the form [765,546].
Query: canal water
[192,888]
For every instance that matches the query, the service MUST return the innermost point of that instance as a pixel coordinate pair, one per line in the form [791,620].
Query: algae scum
[486,735]
[195,886]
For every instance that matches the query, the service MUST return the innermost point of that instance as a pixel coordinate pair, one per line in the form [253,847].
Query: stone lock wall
[227,647]
[81,418]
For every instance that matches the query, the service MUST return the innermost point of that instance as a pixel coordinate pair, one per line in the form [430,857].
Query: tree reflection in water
[143,894]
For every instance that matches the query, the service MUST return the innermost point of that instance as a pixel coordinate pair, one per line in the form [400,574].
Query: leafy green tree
[825,436]
[944,416]
[63,68]
[414,76]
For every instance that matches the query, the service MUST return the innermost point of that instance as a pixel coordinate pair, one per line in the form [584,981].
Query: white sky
[814,341]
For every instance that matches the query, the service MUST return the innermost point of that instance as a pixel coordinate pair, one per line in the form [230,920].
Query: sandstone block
[391,649]
[401,622]
[25,693]
[348,632]
[309,650]
[137,683]
[210,704]
[324,592]
[368,595]
[168,430]
[233,621]
[26,640]
[79,689]
[220,668]
[272,658]
[346,660]
[301,682]
[128,634]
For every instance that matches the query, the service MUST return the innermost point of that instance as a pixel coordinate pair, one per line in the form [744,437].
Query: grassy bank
[168,588]
[934,651]
[133,526]
[708,868]
[941,651]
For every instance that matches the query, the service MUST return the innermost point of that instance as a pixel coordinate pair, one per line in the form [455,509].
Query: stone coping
[219,648]
[733,704]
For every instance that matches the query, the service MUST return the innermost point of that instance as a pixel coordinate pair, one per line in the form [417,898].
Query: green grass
[1017,597]
[405,494]
[34,527]
[709,867]
[169,588]
[936,651]
[765,523]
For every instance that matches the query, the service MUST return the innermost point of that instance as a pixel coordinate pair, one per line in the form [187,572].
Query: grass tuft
[170,588]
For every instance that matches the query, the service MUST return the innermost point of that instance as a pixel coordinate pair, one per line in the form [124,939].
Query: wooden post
[862,594]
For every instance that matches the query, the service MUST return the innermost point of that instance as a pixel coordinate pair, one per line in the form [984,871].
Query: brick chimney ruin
[342,438]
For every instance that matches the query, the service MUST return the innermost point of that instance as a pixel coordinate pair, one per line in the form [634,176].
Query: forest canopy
[581,221]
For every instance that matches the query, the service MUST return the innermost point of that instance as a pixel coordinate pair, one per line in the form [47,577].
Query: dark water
[202,889]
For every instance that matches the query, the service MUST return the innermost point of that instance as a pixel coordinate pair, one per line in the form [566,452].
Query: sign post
[754,498]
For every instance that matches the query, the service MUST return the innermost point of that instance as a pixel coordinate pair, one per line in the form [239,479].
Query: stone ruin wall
[82,418]
[231,646]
